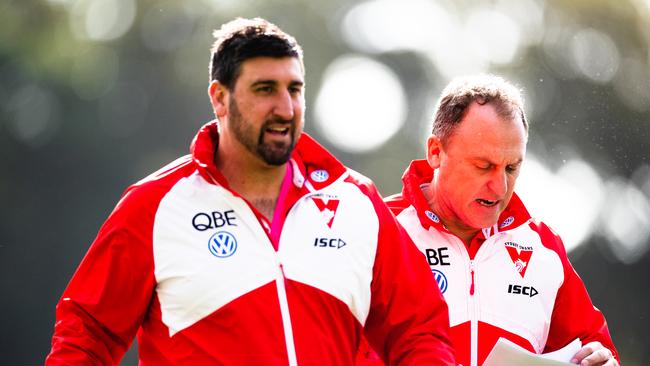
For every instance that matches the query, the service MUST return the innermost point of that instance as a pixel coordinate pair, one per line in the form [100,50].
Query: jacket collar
[419,172]
[313,166]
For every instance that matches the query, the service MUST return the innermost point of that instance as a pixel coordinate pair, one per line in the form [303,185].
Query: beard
[274,152]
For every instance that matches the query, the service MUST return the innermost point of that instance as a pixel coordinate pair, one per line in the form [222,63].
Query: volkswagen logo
[319,176]
[440,279]
[222,244]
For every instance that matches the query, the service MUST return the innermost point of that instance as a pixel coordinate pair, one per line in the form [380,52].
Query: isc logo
[329,243]
[523,290]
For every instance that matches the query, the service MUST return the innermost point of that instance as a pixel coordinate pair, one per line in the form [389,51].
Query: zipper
[471,272]
[279,278]
[286,318]
[473,330]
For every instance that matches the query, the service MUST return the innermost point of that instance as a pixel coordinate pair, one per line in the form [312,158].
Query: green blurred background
[96,94]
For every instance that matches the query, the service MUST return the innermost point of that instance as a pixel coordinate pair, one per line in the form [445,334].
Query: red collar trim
[419,172]
[311,162]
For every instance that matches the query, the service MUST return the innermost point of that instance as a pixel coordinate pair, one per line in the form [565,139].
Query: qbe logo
[222,244]
[440,279]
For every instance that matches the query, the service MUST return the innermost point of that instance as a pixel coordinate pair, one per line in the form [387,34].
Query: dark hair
[242,39]
[482,89]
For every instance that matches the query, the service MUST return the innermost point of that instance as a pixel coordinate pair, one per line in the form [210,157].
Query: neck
[256,181]
[448,219]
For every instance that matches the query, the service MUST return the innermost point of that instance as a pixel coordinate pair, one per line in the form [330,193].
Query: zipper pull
[471,271]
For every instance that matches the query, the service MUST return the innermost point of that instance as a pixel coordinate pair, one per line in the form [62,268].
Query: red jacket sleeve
[408,323]
[574,315]
[102,307]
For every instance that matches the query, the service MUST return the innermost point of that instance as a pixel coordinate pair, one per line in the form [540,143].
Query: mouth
[277,130]
[486,203]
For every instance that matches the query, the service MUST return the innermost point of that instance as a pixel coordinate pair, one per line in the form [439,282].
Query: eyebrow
[484,160]
[275,82]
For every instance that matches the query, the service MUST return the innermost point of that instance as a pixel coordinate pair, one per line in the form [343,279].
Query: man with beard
[258,248]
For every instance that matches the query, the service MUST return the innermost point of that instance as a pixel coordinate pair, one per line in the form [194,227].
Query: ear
[218,98]
[434,149]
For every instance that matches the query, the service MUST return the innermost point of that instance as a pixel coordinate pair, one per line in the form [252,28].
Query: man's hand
[594,354]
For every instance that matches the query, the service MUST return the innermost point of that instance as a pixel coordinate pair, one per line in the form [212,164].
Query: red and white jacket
[513,281]
[204,279]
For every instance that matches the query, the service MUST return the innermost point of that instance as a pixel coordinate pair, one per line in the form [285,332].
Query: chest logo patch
[441,279]
[520,255]
[327,208]
[432,216]
[222,244]
[319,176]
[507,222]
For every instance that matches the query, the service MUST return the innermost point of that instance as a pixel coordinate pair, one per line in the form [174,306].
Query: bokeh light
[492,36]
[632,84]
[391,25]
[360,105]
[626,220]
[34,114]
[568,200]
[595,55]
[102,20]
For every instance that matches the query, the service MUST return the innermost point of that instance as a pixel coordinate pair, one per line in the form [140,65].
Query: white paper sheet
[506,353]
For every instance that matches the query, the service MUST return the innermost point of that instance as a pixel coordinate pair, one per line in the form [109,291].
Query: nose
[499,183]
[285,106]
